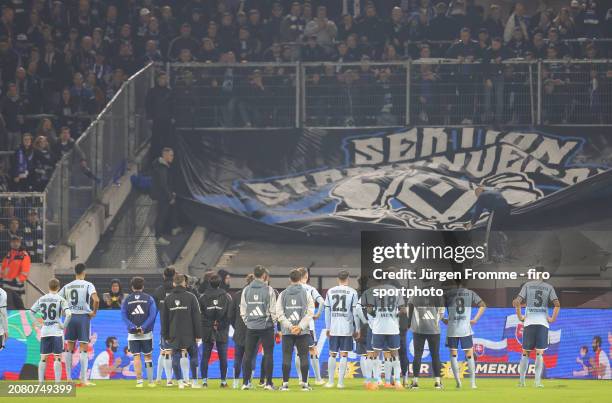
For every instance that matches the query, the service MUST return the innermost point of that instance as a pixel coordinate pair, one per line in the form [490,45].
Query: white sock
[539,366]
[472,368]
[364,362]
[523,364]
[42,367]
[168,367]
[342,370]
[315,366]
[84,362]
[438,379]
[387,370]
[397,370]
[184,363]
[331,368]
[455,368]
[57,370]
[149,367]
[415,380]
[298,366]
[378,369]
[68,361]
[160,367]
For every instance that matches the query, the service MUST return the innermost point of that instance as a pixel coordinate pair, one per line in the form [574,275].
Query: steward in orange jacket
[15,267]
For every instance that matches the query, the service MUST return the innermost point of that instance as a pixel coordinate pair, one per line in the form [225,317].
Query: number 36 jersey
[340,305]
[78,293]
[536,295]
[51,307]
[459,302]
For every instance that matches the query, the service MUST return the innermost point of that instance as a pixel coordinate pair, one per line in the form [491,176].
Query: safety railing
[22,216]
[422,92]
[99,156]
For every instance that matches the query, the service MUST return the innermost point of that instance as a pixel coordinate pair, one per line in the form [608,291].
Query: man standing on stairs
[161,191]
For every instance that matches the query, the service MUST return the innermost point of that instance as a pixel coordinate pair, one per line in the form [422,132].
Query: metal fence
[22,215]
[100,156]
[423,92]
[235,95]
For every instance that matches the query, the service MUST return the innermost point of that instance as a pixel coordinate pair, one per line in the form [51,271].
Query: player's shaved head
[54,284]
[343,275]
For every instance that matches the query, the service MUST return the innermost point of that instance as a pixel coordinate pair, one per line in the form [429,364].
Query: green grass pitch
[489,390]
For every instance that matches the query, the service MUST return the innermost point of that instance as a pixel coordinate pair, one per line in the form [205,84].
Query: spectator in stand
[322,28]
[43,164]
[113,298]
[565,24]
[494,81]
[398,32]
[67,110]
[45,128]
[372,29]
[15,269]
[161,191]
[257,112]
[588,21]
[465,50]
[312,51]
[293,24]
[22,165]
[33,237]
[159,105]
[518,19]
[346,27]
[184,41]
[208,53]
[442,28]
[13,109]
[518,44]
[538,46]
[65,145]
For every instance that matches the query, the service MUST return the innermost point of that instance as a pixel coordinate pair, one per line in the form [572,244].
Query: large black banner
[299,183]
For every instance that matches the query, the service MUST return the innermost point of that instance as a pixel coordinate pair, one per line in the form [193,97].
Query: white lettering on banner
[424,178]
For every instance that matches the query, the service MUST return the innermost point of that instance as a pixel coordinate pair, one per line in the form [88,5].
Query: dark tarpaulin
[308,183]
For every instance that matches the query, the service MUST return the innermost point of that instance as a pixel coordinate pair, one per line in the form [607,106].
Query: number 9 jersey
[78,294]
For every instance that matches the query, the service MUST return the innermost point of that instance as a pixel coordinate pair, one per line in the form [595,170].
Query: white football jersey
[340,305]
[316,297]
[78,294]
[536,295]
[51,307]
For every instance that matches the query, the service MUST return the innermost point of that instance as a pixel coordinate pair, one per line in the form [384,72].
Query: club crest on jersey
[215,302]
[293,302]
[177,302]
[137,296]
[256,297]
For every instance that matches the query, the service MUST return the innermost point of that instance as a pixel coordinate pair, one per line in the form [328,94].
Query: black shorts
[51,345]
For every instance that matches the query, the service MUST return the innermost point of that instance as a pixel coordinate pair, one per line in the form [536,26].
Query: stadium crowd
[61,61]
